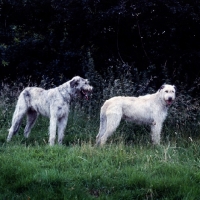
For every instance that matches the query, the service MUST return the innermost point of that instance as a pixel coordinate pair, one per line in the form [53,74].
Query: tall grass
[82,171]
[128,167]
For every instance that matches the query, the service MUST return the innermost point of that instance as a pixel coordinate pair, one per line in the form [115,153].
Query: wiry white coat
[53,103]
[150,109]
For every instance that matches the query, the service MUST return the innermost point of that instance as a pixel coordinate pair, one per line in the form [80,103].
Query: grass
[30,169]
[84,171]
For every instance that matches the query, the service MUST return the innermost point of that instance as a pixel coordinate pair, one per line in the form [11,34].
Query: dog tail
[102,128]
[20,110]
[27,97]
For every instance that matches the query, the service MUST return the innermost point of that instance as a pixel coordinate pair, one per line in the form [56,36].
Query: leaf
[4,63]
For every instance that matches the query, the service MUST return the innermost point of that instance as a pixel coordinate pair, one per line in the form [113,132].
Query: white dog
[150,109]
[53,103]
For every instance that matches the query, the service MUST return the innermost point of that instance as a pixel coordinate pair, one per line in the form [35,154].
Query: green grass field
[128,167]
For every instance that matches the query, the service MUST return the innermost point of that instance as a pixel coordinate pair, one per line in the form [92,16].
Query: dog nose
[170,99]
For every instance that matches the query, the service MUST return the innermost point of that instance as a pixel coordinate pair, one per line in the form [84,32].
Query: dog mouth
[169,101]
[85,93]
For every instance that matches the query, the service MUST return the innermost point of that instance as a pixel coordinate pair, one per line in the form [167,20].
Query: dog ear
[174,87]
[74,83]
[162,87]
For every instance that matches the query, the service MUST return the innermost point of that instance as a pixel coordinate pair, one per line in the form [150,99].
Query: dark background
[53,38]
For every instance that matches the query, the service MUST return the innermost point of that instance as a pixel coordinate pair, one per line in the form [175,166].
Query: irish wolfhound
[150,109]
[53,103]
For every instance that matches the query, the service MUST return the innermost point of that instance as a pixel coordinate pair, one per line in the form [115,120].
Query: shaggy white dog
[53,103]
[150,109]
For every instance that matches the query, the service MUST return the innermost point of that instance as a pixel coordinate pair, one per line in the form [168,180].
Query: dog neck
[66,96]
[164,106]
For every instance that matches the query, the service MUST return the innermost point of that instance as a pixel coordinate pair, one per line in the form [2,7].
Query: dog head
[167,93]
[81,86]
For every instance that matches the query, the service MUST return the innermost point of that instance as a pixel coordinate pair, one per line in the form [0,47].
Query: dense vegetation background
[124,47]
[42,38]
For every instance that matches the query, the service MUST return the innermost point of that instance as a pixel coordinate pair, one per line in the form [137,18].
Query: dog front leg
[52,130]
[155,133]
[62,123]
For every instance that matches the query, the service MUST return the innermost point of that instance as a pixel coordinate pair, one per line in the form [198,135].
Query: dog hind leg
[113,121]
[31,119]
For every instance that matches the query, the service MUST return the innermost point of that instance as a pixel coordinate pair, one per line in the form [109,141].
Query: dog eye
[166,91]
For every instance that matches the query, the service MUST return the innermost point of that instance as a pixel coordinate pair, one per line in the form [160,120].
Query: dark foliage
[52,39]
